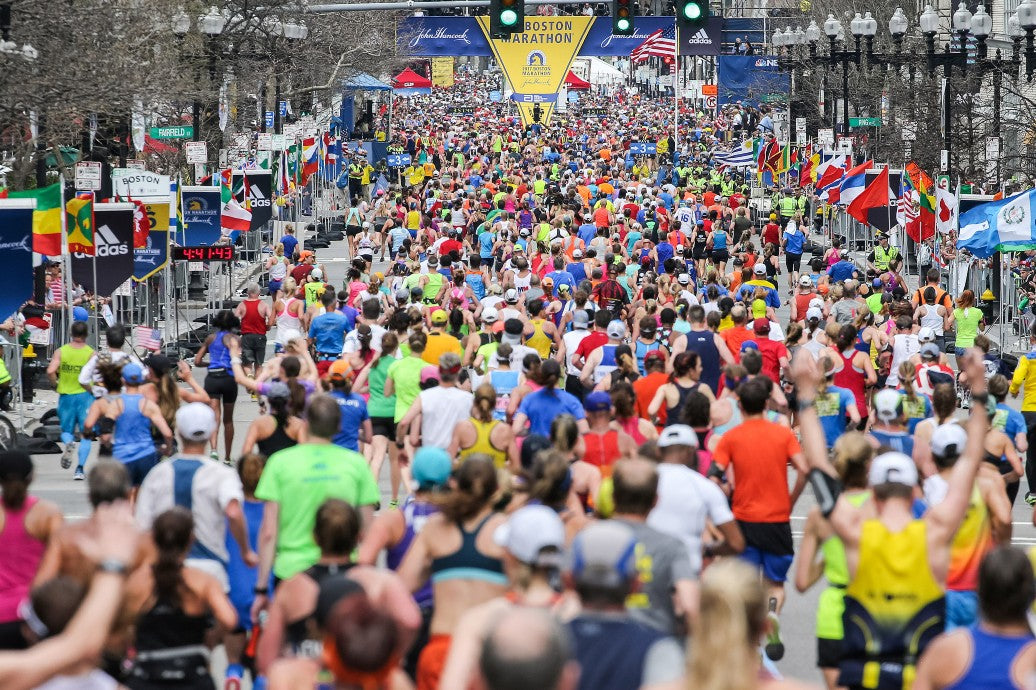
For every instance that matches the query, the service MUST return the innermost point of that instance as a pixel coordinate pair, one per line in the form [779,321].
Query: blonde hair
[852,455]
[723,653]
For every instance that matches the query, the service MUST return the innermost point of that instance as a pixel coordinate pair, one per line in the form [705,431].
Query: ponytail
[484,403]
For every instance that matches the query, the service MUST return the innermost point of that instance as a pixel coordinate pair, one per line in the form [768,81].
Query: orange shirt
[438,345]
[601,216]
[759,451]
[644,390]
[734,337]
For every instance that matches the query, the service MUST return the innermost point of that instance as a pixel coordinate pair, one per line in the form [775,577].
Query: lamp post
[290,32]
[210,24]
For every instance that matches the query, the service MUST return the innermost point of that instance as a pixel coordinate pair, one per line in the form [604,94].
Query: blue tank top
[664,252]
[862,345]
[719,240]
[896,440]
[642,349]
[996,652]
[503,382]
[704,343]
[415,514]
[219,355]
[241,576]
[132,438]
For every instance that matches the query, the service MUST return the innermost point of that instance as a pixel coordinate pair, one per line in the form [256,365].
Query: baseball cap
[761,326]
[816,303]
[894,468]
[603,554]
[160,364]
[547,280]
[339,369]
[534,535]
[402,295]
[133,373]
[598,401]
[429,373]
[683,279]
[490,315]
[806,281]
[280,390]
[195,421]
[679,249]
[678,435]
[929,351]
[439,316]
[814,313]
[759,269]
[514,328]
[577,253]
[926,334]
[617,330]
[886,404]
[316,274]
[511,296]
[580,319]
[15,464]
[948,440]
[651,355]
[749,345]
[431,467]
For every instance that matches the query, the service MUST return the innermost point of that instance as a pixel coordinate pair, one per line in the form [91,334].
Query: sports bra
[673,414]
[296,632]
[467,562]
[484,443]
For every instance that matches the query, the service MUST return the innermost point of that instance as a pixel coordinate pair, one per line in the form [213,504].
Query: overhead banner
[752,78]
[152,258]
[139,184]
[536,61]
[705,41]
[442,72]
[201,216]
[456,36]
[16,280]
[112,263]
[260,190]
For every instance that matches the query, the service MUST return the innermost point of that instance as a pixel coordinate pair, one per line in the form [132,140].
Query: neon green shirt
[73,359]
[406,377]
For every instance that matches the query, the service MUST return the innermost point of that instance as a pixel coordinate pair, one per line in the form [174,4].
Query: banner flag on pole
[999,226]
[46,219]
[875,195]
[80,223]
[113,239]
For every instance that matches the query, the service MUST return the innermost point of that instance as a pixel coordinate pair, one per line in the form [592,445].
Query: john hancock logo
[536,64]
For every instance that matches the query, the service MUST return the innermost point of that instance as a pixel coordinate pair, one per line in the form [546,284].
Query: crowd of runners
[600,383]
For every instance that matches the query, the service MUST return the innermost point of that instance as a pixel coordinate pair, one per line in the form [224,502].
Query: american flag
[147,338]
[661,43]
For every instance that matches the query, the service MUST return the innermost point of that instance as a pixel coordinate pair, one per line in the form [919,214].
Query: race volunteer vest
[882,257]
[788,207]
[73,359]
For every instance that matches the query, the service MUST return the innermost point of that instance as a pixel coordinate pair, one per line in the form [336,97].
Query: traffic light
[537,113]
[692,13]
[506,17]
[622,17]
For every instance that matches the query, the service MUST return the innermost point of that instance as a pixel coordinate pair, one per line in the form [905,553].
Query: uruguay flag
[853,183]
[999,226]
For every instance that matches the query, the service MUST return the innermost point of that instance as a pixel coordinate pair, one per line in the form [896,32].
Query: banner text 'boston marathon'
[542,31]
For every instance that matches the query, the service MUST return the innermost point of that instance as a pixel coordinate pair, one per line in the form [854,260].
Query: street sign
[269,118]
[781,128]
[278,142]
[944,161]
[865,122]
[711,101]
[88,176]
[172,132]
[800,130]
[135,163]
[398,160]
[643,148]
[196,151]
[264,142]
[826,137]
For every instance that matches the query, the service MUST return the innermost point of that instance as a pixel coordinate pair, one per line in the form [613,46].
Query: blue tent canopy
[364,82]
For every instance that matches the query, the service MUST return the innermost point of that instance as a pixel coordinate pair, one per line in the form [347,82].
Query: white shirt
[352,339]
[213,487]
[904,346]
[572,340]
[685,500]
[89,377]
[442,409]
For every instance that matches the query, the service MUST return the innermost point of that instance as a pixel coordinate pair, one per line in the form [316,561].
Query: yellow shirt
[438,345]
[1025,375]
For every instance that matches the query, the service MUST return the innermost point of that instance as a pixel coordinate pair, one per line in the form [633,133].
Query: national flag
[282,174]
[79,220]
[141,225]
[235,217]
[310,160]
[999,226]
[822,169]
[809,166]
[924,184]
[853,183]
[911,211]
[739,157]
[660,43]
[46,219]
[245,193]
[947,205]
[147,338]
[331,148]
[875,195]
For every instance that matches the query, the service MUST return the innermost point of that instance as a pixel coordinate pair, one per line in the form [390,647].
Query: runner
[73,399]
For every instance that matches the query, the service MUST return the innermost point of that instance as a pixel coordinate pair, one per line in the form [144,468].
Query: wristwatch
[113,566]
[260,590]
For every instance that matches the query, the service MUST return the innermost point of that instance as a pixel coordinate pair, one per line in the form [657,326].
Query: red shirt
[772,351]
[591,342]
[734,338]
[772,233]
[450,245]
[300,272]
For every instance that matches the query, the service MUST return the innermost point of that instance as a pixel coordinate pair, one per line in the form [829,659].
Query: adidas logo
[700,38]
[107,244]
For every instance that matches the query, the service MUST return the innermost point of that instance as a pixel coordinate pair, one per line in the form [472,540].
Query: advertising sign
[150,259]
[201,216]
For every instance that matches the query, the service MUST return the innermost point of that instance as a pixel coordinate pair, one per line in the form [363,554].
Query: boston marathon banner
[201,216]
[113,239]
[16,279]
[152,258]
[536,61]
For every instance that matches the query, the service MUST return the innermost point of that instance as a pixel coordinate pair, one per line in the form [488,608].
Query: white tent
[597,71]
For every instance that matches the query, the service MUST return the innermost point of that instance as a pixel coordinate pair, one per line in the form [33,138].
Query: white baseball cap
[683,279]
[195,421]
[948,440]
[490,315]
[816,303]
[678,435]
[616,329]
[886,404]
[529,532]
[814,313]
[893,468]
[806,281]
[926,334]
[759,269]
[316,274]
[511,296]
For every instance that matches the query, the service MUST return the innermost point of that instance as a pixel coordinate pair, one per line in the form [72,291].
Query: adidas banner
[113,239]
[16,280]
[703,41]
[260,189]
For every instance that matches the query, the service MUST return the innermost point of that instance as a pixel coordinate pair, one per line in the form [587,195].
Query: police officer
[879,259]
[787,207]
[355,177]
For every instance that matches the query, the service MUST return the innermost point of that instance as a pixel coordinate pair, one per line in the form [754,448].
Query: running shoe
[214,456]
[394,503]
[1030,498]
[66,455]
[774,646]
[79,475]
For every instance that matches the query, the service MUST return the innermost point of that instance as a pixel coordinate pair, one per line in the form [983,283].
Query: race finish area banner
[202,212]
[536,61]
[752,78]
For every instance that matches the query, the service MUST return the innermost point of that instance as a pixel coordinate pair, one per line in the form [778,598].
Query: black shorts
[720,255]
[353,230]
[221,385]
[138,469]
[829,653]
[253,348]
[792,261]
[383,426]
[698,254]
[486,260]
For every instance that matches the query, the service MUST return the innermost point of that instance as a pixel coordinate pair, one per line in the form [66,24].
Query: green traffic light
[622,24]
[692,11]
[508,17]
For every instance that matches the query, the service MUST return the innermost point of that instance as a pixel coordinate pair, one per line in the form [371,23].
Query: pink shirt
[20,555]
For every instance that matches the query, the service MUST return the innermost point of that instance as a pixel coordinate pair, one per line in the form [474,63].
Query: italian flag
[235,217]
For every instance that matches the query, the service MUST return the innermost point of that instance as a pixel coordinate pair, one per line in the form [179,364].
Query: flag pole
[676,89]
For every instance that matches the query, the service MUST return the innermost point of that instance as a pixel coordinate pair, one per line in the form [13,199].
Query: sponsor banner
[152,258]
[113,242]
[525,110]
[260,193]
[703,41]
[16,280]
[201,216]
[536,61]
[753,78]
[442,72]
[455,36]
[139,184]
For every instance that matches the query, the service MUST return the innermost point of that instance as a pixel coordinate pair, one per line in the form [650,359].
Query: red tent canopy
[575,83]
[409,79]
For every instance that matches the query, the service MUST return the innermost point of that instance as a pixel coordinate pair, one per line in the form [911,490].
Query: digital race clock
[215,252]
